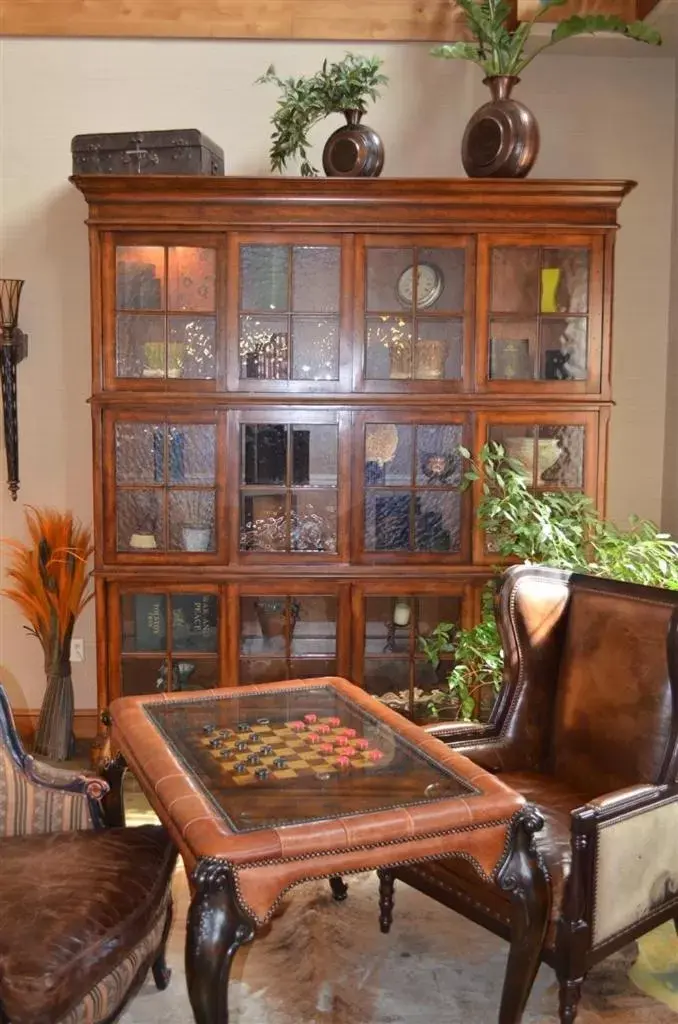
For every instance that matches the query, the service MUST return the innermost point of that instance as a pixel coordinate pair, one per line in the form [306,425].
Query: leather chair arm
[625,861]
[453,733]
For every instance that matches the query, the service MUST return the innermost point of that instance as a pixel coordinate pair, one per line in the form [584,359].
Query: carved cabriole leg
[113,772]
[161,972]
[338,887]
[216,929]
[386,886]
[573,939]
[523,877]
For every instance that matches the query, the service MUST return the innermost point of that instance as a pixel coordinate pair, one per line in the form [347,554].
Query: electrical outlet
[77,649]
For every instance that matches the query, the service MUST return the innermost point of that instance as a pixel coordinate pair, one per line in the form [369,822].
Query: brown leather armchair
[85,909]
[586,728]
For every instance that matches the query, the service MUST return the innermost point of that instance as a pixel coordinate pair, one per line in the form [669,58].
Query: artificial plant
[558,528]
[49,583]
[344,85]
[500,42]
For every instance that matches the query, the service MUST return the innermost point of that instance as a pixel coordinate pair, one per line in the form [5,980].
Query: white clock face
[429,285]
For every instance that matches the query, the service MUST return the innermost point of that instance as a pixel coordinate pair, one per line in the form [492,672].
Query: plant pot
[354,150]
[196,538]
[502,138]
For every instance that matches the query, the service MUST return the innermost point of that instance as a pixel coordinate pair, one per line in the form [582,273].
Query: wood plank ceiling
[397,20]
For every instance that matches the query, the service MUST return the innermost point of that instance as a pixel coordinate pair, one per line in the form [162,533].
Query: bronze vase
[354,150]
[502,138]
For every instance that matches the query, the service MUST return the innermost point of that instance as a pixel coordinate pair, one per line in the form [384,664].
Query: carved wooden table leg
[338,887]
[216,929]
[523,877]
[386,887]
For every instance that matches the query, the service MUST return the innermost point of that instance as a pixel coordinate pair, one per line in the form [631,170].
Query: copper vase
[354,150]
[502,138]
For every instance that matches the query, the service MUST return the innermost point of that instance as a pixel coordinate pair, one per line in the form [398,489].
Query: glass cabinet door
[164,491]
[165,312]
[543,314]
[556,452]
[288,636]
[289,483]
[414,309]
[169,640]
[394,666]
[289,312]
[411,480]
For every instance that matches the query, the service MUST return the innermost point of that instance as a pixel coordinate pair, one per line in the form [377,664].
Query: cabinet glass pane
[140,346]
[144,622]
[192,520]
[300,514]
[385,268]
[440,279]
[315,632]
[264,348]
[388,353]
[262,670]
[315,348]
[388,625]
[192,453]
[439,349]
[390,681]
[179,675]
[563,348]
[553,456]
[515,279]
[192,347]
[412,477]
[191,279]
[264,277]
[316,279]
[140,277]
[564,281]
[141,520]
[299,627]
[194,622]
[513,347]
[139,453]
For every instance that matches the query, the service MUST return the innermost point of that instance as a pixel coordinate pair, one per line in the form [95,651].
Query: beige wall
[599,118]
[670,493]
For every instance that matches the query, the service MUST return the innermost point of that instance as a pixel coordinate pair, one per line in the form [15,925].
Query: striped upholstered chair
[85,908]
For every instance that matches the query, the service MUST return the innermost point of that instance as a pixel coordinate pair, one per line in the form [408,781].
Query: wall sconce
[13,348]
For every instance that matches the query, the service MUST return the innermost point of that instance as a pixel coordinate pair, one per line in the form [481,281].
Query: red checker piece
[349,733]
[361,744]
[314,738]
[343,762]
[310,719]
[322,729]
[349,751]
[296,726]
[341,741]
[325,748]
[375,755]
[334,722]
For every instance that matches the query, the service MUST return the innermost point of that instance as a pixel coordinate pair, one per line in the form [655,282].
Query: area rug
[324,962]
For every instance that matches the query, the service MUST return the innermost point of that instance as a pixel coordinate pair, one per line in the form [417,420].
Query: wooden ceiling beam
[355,20]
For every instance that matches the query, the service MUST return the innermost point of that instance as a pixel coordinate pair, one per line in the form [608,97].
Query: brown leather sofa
[586,729]
[85,908]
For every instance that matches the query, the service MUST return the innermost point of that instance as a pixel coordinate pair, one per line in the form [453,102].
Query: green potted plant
[340,88]
[502,137]
[559,528]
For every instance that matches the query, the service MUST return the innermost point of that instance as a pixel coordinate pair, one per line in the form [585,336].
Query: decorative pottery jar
[354,150]
[502,138]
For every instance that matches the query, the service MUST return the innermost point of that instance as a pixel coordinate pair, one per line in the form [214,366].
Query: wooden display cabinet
[283,371]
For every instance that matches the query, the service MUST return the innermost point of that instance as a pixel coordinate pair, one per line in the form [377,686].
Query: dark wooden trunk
[185,151]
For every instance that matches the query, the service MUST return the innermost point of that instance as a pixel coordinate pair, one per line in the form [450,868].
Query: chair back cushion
[614,705]
[27,808]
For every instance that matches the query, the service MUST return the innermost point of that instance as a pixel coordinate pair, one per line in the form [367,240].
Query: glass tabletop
[298,755]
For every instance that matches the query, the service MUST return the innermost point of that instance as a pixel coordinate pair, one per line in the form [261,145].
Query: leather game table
[264,787]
